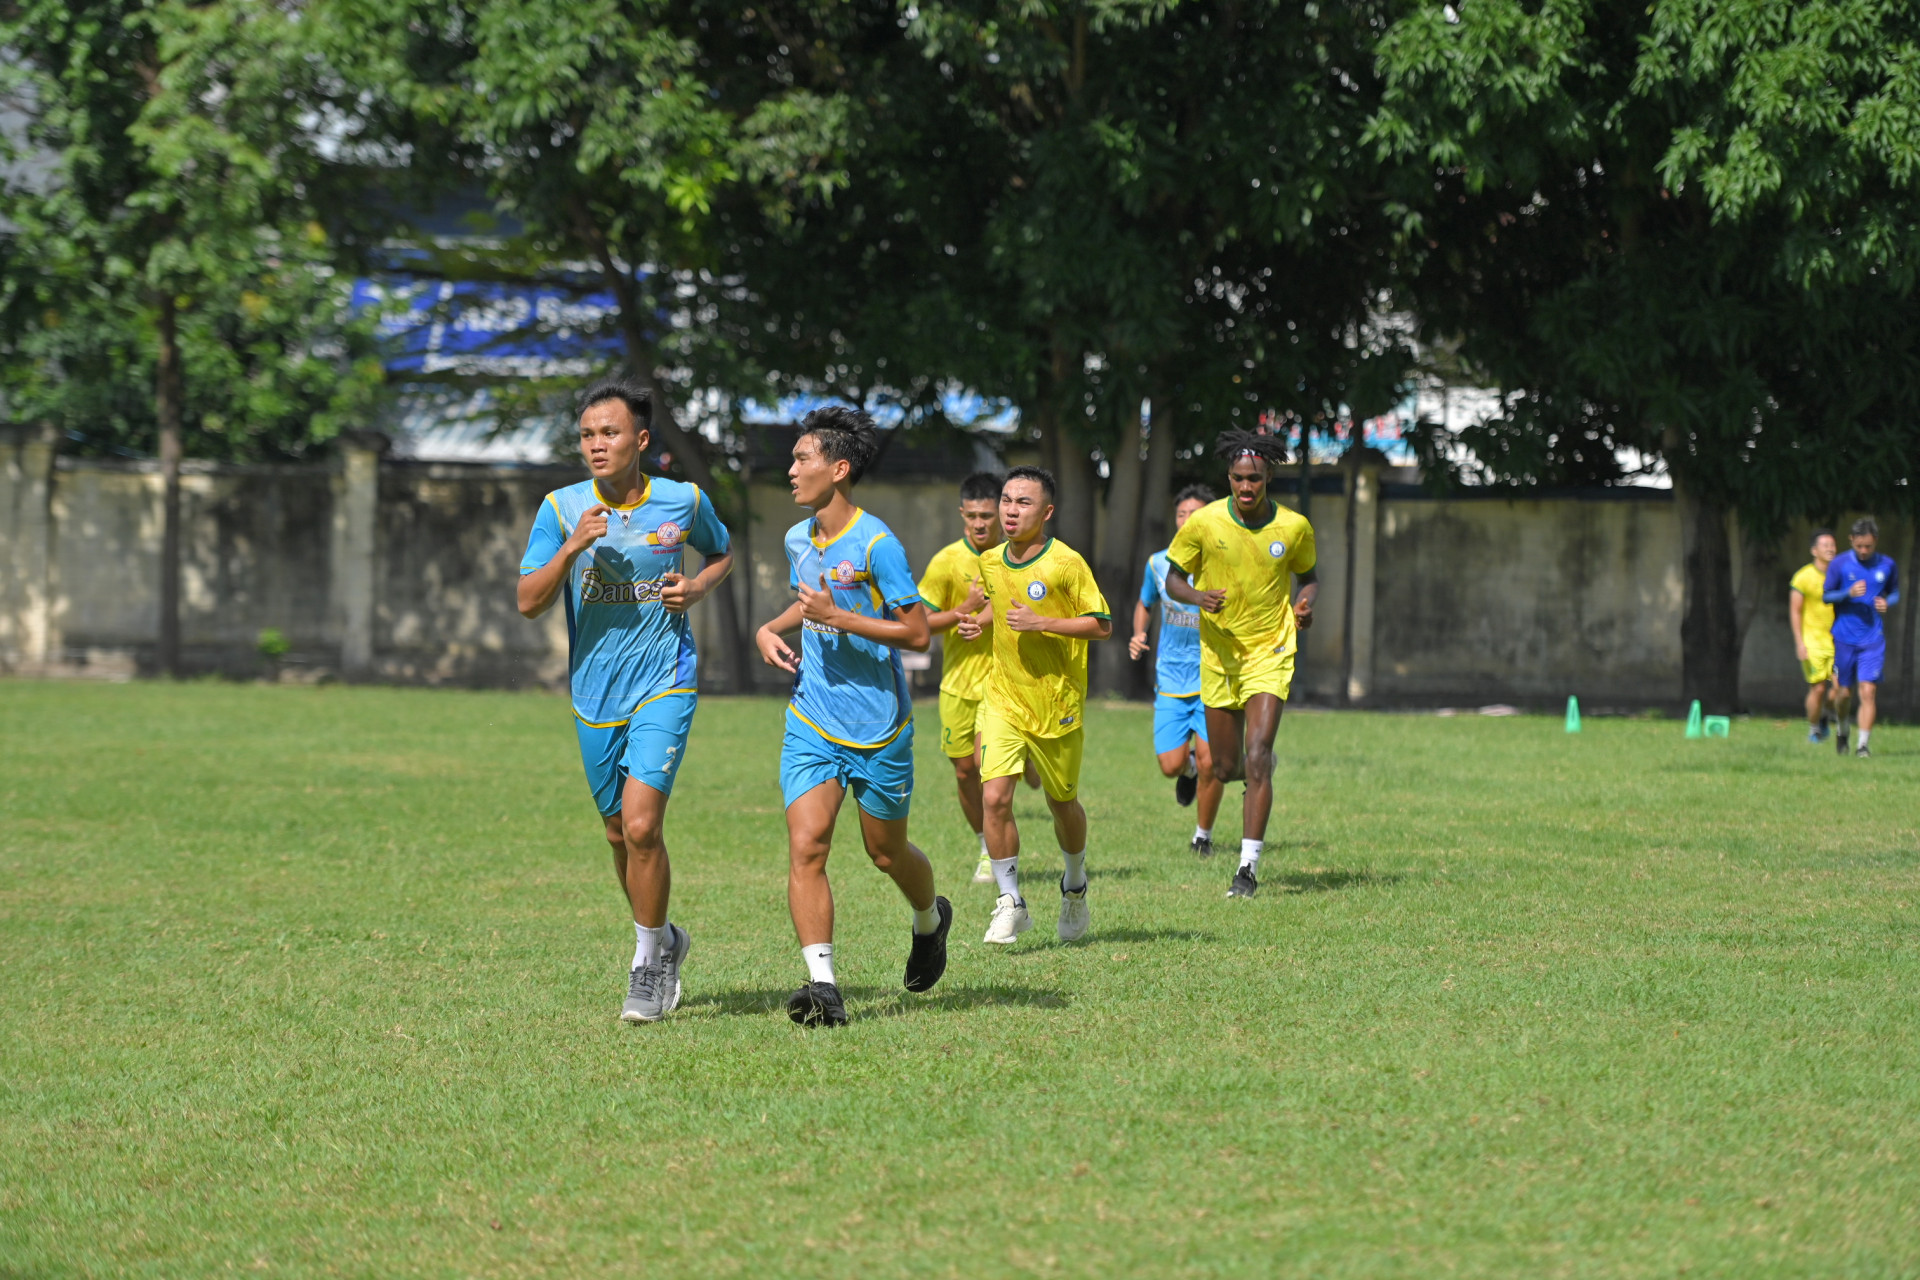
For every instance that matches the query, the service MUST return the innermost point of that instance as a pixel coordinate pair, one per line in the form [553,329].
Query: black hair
[981,486]
[1039,475]
[638,400]
[1192,491]
[1818,534]
[1865,527]
[845,435]
[1269,449]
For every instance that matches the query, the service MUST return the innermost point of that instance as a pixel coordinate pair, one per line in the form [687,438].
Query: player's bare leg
[1869,697]
[1031,774]
[646,876]
[1174,763]
[1242,747]
[911,871]
[1010,916]
[966,776]
[1816,705]
[810,822]
[1211,789]
[1842,707]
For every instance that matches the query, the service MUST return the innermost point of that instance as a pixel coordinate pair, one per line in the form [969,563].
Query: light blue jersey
[1176,668]
[624,649]
[851,690]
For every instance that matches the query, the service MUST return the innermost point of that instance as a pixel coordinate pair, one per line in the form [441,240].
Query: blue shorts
[1176,719]
[1859,663]
[881,778]
[649,747]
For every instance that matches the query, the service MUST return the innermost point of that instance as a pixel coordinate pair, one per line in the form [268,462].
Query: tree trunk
[1709,634]
[1116,569]
[1759,572]
[168,397]
[1155,531]
[1350,466]
[1908,702]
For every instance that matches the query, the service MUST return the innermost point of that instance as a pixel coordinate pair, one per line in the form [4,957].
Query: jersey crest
[1037,590]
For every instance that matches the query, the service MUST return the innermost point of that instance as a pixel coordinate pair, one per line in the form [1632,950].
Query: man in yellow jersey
[1811,618]
[951,589]
[1045,607]
[1237,559]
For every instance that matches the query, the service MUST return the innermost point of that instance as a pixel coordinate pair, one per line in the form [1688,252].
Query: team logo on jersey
[1037,590]
[667,537]
[1879,575]
[596,590]
[844,574]
[1276,548]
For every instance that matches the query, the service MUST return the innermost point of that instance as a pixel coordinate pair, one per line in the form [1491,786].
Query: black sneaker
[1202,847]
[1244,885]
[1840,739]
[818,1004]
[1184,787]
[928,959]
[1861,753]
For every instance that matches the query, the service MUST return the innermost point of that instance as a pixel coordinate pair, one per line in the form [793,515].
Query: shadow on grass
[1100,937]
[1329,881]
[894,1003]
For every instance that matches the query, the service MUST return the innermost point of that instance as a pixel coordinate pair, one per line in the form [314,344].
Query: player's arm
[773,650]
[1186,593]
[1795,603]
[906,629]
[1892,594]
[537,588]
[1837,591]
[1137,644]
[1307,591]
[679,593]
[1086,627]
[942,619]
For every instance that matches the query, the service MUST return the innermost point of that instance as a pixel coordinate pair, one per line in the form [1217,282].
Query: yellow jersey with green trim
[1816,615]
[950,575]
[1038,680]
[1255,567]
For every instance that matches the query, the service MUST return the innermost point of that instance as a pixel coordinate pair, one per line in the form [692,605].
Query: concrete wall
[404,572]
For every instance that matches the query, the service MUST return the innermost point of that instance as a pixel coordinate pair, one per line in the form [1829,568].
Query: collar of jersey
[848,528]
[1006,555]
[646,491]
[1233,509]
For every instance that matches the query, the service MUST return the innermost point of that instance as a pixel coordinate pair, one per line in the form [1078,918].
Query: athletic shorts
[1177,719]
[959,721]
[649,747]
[1262,673]
[1818,668]
[881,778]
[1004,751]
[1859,664]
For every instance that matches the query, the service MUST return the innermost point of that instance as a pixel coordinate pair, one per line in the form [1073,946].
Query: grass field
[324,981]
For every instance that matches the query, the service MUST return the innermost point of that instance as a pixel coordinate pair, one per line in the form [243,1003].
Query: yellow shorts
[1818,668]
[1004,751]
[1262,673]
[959,721]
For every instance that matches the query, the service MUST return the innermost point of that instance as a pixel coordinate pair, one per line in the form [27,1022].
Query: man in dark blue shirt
[1860,585]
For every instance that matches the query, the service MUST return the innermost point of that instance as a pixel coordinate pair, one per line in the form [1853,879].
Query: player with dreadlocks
[1237,559]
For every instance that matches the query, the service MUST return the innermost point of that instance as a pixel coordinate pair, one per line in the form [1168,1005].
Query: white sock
[1863,736]
[819,959]
[1249,853]
[1076,877]
[647,944]
[1193,766]
[1006,874]
[1203,833]
[983,844]
[927,921]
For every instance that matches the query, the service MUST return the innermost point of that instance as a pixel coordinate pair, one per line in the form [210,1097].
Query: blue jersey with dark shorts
[1859,629]
[851,717]
[632,665]
[1177,713]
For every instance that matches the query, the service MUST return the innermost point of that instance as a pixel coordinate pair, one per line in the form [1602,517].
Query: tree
[1623,222]
[177,235]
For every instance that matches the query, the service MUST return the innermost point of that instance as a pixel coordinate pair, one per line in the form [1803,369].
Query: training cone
[1694,727]
[1573,715]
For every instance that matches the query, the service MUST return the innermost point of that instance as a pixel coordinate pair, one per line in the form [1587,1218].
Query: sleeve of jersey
[544,543]
[1305,555]
[1149,589]
[888,561]
[1184,552]
[1088,602]
[1893,583]
[1835,590]
[708,536]
[933,587]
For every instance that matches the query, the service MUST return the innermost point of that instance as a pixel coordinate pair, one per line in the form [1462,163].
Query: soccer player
[951,588]
[850,722]
[1236,559]
[1860,584]
[1045,606]
[611,547]
[1811,618]
[1179,717]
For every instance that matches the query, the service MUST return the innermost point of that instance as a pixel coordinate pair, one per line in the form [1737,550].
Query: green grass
[323,981]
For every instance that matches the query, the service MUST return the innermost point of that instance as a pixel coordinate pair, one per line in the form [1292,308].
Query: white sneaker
[1075,918]
[983,870]
[1010,920]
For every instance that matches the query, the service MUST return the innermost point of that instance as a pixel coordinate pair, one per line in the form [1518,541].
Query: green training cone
[1573,714]
[1694,728]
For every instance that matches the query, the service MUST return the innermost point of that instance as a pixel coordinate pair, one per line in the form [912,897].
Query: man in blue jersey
[850,723]
[1178,716]
[610,548]
[1861,583]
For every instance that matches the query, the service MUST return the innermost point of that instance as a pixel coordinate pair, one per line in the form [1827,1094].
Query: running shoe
[1184,788]
[653,990]
[1861,753]
[928,959]
[818,1004]
[1840,739]
[1075,918]
[1010,920]
[1244,884]
[983,870]
[1202,847]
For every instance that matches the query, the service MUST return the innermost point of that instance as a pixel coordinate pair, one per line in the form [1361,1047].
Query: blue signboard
[481,328]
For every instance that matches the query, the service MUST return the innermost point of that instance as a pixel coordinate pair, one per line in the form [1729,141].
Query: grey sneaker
[653,990]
